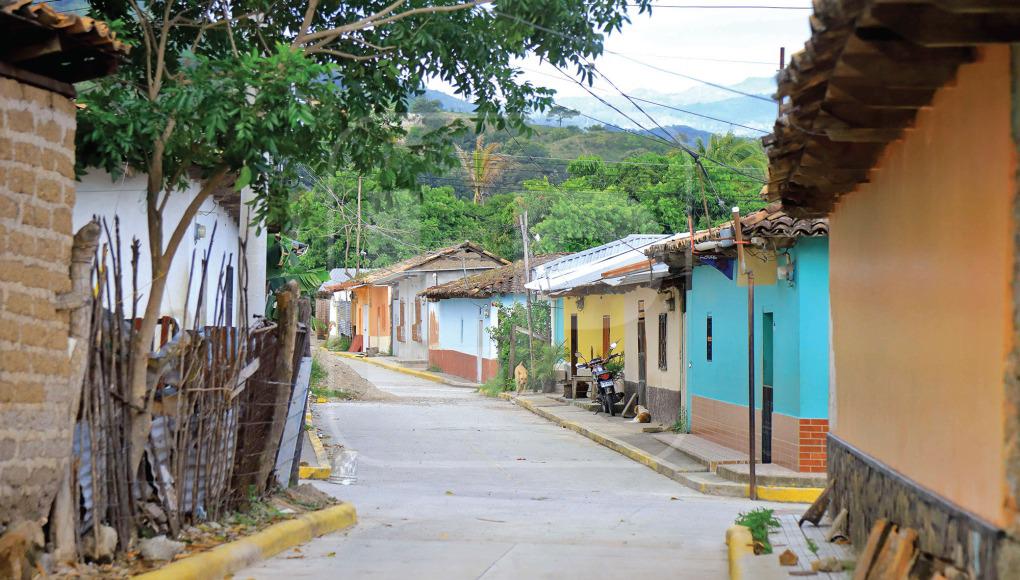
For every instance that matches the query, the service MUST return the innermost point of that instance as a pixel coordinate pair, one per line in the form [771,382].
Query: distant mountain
[683,133]
[450,103]
[729,109]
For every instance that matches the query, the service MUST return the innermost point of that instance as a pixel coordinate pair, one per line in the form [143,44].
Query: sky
[680,39]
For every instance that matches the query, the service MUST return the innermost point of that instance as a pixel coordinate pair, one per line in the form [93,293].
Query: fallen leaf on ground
[331,554]
[448,492]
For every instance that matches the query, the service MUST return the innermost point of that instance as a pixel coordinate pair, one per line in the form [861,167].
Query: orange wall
[378,298]
[920,295]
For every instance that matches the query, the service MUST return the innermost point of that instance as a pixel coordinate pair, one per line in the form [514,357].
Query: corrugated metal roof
[584,267]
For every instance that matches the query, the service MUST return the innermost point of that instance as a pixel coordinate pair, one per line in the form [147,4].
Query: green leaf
[244,179]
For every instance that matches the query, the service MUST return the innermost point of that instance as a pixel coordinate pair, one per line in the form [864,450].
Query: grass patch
[493,387]
[318,375]
[339,343]
[760,521]
[333,393]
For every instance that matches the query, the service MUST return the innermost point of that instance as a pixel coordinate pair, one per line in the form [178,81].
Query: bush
[760,521]
[339,344]
[318,374]
[493,387]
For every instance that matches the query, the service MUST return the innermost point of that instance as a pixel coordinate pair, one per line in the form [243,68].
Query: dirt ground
[343,378]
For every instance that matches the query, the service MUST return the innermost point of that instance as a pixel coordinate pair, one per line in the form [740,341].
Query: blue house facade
[789,259]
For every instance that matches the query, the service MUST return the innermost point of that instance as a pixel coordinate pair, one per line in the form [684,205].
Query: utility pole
[527,293]
[357,240]
[738,235]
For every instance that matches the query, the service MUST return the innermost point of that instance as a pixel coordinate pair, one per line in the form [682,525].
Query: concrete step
[708,453]
[772,475]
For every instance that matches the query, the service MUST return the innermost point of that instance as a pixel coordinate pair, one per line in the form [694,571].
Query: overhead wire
[636,61]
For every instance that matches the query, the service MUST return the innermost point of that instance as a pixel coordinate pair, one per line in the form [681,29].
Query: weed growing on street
[759,521]
[492,387]
[813,546]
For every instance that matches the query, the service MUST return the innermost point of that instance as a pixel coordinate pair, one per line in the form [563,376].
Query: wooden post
[64,531]
[282,378]
[738,235]
[527,293]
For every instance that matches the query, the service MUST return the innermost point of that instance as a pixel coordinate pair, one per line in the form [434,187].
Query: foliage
[318,374]
[681,424]
[581,220]
[760,521]
[494,386]
[516,316]
[812,546]
[426,106]
[482,166]
[339,343]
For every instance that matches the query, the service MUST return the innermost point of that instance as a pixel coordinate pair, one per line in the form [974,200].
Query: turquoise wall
[559,337]
[800,334]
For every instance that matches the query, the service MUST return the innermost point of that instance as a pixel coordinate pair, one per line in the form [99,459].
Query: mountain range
[704,109]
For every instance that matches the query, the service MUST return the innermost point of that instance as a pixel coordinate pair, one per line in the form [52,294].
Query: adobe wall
[36,196]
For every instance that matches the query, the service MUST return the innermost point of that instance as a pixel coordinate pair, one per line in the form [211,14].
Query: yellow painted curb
[231,557]
[323,469]
[766,493]
[739,545]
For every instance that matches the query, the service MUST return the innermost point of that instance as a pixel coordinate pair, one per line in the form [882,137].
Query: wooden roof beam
[927,25]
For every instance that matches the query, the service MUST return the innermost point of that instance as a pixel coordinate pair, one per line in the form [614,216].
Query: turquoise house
[789,259]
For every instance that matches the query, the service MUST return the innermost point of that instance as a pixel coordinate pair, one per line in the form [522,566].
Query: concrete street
[456,485]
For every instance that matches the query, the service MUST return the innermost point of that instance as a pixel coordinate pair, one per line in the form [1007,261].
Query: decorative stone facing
[664,405]
[870,490]
[36,196]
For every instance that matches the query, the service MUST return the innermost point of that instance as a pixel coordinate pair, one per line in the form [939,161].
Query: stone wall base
[870,490]
[664,405]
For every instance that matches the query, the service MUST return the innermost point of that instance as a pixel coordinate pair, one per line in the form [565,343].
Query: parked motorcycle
[605,380]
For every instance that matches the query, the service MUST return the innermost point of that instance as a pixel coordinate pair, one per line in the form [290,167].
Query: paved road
[455,485]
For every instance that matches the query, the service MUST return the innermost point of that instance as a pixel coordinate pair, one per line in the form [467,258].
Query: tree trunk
[281,379]
[64,528]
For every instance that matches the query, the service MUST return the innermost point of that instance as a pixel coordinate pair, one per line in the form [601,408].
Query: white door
[365,324]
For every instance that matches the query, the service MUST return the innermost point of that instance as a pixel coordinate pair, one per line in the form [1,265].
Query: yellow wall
[920,295]
[655,304]
[589,322]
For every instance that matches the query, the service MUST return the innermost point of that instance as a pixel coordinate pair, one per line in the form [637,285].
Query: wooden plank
[876,538]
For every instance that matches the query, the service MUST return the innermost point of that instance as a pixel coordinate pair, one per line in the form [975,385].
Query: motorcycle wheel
[607,402]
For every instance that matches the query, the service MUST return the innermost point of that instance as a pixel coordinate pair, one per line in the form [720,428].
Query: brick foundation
[36,196]
[798,444]
[462,365]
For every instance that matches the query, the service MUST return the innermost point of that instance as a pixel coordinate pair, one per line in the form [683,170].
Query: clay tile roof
[869,66]
[62,46]
[415,262]
[771,222]
[509,279]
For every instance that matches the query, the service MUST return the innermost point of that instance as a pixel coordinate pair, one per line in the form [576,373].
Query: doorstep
[771,474]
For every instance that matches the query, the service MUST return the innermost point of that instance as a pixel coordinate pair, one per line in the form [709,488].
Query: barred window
[662,341]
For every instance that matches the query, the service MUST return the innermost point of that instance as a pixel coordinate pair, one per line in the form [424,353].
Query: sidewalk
[687,459]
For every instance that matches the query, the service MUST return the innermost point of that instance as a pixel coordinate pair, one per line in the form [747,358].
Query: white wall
[98,194]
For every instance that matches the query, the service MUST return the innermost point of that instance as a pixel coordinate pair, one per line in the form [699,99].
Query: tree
[559,112]
[581,220]
[423,105]
[483,166]
[244,93]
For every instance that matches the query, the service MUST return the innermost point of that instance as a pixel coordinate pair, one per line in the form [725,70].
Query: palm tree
[483,166]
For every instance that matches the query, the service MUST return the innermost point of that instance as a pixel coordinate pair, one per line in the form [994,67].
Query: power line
[663,105]
[682,75]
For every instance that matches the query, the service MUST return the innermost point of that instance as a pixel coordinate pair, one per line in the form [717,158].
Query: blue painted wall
[458,323]
[800,333]
[559,336]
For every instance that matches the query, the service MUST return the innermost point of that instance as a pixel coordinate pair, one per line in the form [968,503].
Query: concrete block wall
[36,196]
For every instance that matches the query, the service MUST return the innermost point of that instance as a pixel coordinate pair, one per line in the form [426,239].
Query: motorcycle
[605,380]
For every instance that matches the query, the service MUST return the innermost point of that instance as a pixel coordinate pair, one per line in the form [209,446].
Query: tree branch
[309,14]
[385,16]
[181,229]
[347,55]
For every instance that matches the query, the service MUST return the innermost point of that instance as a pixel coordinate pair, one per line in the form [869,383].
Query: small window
[708,339]
[662,341]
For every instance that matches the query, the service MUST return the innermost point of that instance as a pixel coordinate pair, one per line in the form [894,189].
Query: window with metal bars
[662,341]
[708,339]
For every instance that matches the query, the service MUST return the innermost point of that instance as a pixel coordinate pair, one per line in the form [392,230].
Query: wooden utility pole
[743,265]
[527,293]
[357,240]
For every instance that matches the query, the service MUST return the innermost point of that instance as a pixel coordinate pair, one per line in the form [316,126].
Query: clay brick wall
[36,196]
